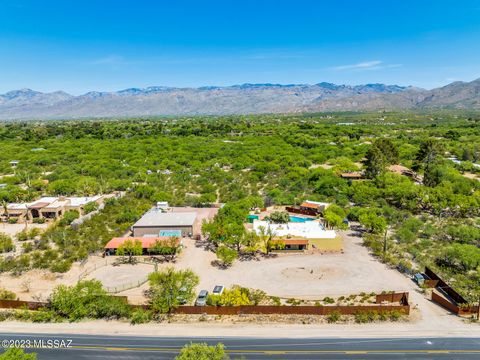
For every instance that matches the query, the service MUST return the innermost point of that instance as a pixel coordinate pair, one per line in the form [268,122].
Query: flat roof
[147,242]
[157,218]
[306,230]
[294,241]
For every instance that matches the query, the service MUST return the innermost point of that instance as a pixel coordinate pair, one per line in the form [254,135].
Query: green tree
[226,255]
[375,164]
[167,248]
[86,299]
[267,238]
[430,150]
[17,354]
[130,248]
[170,288]
[388,149]
[334,216]
[372,221]
[202,351]
[279,217]
[461,257]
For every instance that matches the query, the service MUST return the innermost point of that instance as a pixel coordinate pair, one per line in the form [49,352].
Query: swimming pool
[299,219]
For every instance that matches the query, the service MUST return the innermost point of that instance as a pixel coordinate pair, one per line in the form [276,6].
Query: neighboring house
[14,163]
[147,242]
[403,170]
[307,230]
[295,244]
[309,205]
[155,221]
[50,207]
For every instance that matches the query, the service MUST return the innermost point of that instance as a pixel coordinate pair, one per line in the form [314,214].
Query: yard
[302,276]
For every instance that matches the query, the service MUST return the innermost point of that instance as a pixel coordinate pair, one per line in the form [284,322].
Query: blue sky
[107,45]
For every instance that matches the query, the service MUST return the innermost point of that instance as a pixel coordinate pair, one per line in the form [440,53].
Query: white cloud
[109,60]
[362,65]
[366,65]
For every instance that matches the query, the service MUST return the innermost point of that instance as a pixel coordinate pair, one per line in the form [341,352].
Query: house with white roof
[48,207]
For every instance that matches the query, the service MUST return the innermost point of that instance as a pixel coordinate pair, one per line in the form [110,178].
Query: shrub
[87,299]
[43,316]
[213,300]
[361,318]
[61,266]
[328,300]
[39,221]
[257,296]
[395,315]
[202,351]
[12,220]
[276,300]
[279,217]
[372,316]
[236,296]
[7,295]
[68,217]
[293,302]
[334,317]
[226,255]
[89,207]
[6,243]
[17,354]
[22,235]
[140,316]
[383,316]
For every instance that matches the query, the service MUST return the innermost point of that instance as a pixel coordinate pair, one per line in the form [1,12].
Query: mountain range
[237,99]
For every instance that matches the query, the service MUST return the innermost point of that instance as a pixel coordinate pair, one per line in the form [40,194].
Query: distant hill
[237,99]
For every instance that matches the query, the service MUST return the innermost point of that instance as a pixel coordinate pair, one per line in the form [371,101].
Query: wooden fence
[444,287]
[296,210]
[401,298]
[290,310]
[452,307]
[453,301]
[19,304]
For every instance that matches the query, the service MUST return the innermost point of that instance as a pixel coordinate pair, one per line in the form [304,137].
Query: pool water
[298,219]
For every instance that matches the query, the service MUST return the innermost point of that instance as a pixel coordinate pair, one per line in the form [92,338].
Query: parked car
[218,290]
[201,298]
[419,279]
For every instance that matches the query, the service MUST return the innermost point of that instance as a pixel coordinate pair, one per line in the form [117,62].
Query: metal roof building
[155,221]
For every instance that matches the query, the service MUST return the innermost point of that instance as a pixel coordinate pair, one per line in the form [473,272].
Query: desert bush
[334,317]
[6,243]
[17,354]
[140,316]
[89,207]
[328,300]
[362,317]
[68,217]
[7,295]
[202,351]
[86,299]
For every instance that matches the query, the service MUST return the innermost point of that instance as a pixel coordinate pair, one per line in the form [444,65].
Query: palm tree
[267,236]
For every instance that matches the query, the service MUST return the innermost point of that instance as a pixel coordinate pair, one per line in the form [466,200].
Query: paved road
[85,347]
